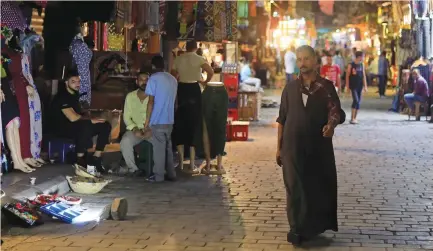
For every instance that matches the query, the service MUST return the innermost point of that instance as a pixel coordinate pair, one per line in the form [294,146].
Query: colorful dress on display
[82,56]
[20,84]
[34,111]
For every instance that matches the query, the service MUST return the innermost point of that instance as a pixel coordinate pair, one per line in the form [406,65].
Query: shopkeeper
[69,122]
[188,119]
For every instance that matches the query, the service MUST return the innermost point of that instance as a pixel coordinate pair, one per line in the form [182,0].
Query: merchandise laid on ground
[35,210]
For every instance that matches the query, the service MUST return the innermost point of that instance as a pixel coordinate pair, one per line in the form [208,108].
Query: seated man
[247,76]
[134,116]
[70,122]
[420,91]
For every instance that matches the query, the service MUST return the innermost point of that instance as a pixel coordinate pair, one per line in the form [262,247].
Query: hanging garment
[200,22]
[218,9]
[234,21]
[82,56]
[27,45]
[209,20]
[11,15]
[242,9]
[215,117]
[153,16]
[252,9]
[20,84]
[34,111]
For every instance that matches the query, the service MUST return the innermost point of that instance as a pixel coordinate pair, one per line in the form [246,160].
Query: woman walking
[356,82]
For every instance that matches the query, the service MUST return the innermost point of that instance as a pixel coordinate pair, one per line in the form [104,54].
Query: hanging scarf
[12,16]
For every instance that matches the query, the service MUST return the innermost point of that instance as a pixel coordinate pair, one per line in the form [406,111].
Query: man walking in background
[383,73]
[339,60]
[290,63]
[161,89]
[331,72]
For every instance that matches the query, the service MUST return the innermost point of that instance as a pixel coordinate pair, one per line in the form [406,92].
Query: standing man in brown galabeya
[188,118]
[310,111]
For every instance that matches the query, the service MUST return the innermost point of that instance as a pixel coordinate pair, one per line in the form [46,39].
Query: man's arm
[149,111]
[72,115]
[208,69]
[281,120]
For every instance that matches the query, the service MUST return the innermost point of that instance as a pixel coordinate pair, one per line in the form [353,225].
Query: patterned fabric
[234,23]
[11,15]
[82,56]
[208,14]
[35,111]
[200,21]
[27,45]
[218,8]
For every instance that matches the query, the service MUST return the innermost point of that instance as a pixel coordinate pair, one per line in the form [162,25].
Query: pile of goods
[29,213]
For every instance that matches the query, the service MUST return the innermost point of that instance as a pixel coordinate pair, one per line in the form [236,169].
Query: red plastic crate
[233,114]
[239,131]
[228,132]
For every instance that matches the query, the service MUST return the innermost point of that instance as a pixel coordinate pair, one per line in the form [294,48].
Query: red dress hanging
[20,83]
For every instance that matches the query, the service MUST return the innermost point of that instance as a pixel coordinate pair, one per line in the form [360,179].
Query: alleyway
[385,172]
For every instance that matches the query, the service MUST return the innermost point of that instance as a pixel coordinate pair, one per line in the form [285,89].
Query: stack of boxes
[236,131]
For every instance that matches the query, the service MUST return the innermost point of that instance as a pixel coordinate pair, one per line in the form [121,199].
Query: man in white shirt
[290,63]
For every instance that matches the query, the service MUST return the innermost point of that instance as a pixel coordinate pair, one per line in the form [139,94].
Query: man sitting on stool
[246,76]
[69,122]
[420,92]
[134,116]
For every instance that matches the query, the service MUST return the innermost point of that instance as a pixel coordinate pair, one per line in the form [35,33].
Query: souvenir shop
[21,132]
[414,48]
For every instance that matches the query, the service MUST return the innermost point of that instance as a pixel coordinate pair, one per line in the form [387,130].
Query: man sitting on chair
[247,74]
[134,116]
[69,122]
[420,92]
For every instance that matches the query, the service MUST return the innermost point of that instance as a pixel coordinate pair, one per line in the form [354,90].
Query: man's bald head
[306,48]
[306,59]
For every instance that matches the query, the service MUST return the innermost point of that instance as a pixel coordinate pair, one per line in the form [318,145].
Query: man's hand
[278,158]
[30,91]
[328,131]
[138,133]
[202,82]
[97,121]
[365,88]
[146,125]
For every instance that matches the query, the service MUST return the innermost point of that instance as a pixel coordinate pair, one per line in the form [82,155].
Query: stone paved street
[385,172]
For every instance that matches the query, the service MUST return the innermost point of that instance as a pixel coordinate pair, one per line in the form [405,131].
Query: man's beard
[142,88]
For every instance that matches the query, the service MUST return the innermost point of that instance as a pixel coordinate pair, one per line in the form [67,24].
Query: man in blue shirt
[246,76]
[161,89]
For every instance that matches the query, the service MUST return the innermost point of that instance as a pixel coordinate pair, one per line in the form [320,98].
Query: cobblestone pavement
[385,171]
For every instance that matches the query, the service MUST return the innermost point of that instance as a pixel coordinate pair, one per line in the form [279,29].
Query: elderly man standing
[310,111]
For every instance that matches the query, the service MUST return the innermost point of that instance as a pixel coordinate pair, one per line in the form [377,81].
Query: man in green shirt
[134,116]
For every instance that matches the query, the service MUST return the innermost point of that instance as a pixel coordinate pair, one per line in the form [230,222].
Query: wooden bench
[418,106]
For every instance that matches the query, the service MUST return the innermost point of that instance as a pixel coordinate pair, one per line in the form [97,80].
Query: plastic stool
[61,147]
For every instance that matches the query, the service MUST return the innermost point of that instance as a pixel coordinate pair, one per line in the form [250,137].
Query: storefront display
[289,32]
